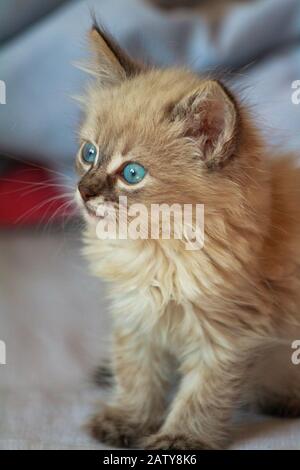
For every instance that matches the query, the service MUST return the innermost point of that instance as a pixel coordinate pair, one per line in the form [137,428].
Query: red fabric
[28,195]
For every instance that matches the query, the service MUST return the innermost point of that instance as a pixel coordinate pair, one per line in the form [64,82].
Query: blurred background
[53,315]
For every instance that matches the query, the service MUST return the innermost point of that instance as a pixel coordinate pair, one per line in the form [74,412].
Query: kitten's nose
[87,192]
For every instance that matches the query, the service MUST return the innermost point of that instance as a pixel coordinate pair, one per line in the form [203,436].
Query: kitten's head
[155,136]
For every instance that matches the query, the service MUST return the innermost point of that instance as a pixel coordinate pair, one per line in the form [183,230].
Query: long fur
[223,317]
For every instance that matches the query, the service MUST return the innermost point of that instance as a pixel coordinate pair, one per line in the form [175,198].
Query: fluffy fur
[223,317]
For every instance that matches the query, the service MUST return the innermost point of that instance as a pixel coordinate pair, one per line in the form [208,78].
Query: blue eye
[133,173]
[89,153]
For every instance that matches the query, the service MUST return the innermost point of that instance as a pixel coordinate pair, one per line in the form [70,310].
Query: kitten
[225,315]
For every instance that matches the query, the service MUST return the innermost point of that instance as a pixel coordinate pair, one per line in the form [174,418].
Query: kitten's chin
[90,217]
[96,215]
[89,214]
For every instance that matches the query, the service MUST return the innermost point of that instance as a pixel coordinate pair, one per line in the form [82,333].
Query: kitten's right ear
[113,64]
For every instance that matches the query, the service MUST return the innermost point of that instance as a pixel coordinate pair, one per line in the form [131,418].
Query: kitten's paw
[114,426]
[178,441]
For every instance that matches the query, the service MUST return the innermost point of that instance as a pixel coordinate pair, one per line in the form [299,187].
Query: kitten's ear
[210,117]
[113,64]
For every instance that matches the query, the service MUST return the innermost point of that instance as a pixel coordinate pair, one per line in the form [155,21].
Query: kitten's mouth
[98,212]
[94,212]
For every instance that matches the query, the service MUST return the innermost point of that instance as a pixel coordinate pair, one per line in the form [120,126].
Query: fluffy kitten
[226,314]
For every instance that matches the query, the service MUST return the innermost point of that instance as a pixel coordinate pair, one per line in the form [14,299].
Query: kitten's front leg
[201,412]
[139,400]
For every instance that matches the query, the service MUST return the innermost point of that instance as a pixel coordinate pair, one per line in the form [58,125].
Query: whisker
[47,209]
[35,190]
[26,162]
[26,192]
[64,206]
[39,206]
[36,183]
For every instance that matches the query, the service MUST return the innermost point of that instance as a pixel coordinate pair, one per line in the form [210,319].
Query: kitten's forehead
[123,113]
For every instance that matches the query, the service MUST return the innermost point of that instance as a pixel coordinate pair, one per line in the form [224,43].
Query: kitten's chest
[145,270]
[159,292]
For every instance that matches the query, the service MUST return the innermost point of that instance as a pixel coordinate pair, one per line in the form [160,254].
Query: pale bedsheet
[52,317]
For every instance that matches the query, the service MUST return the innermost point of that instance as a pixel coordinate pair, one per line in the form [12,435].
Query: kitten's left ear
[113,64]
[209,116]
